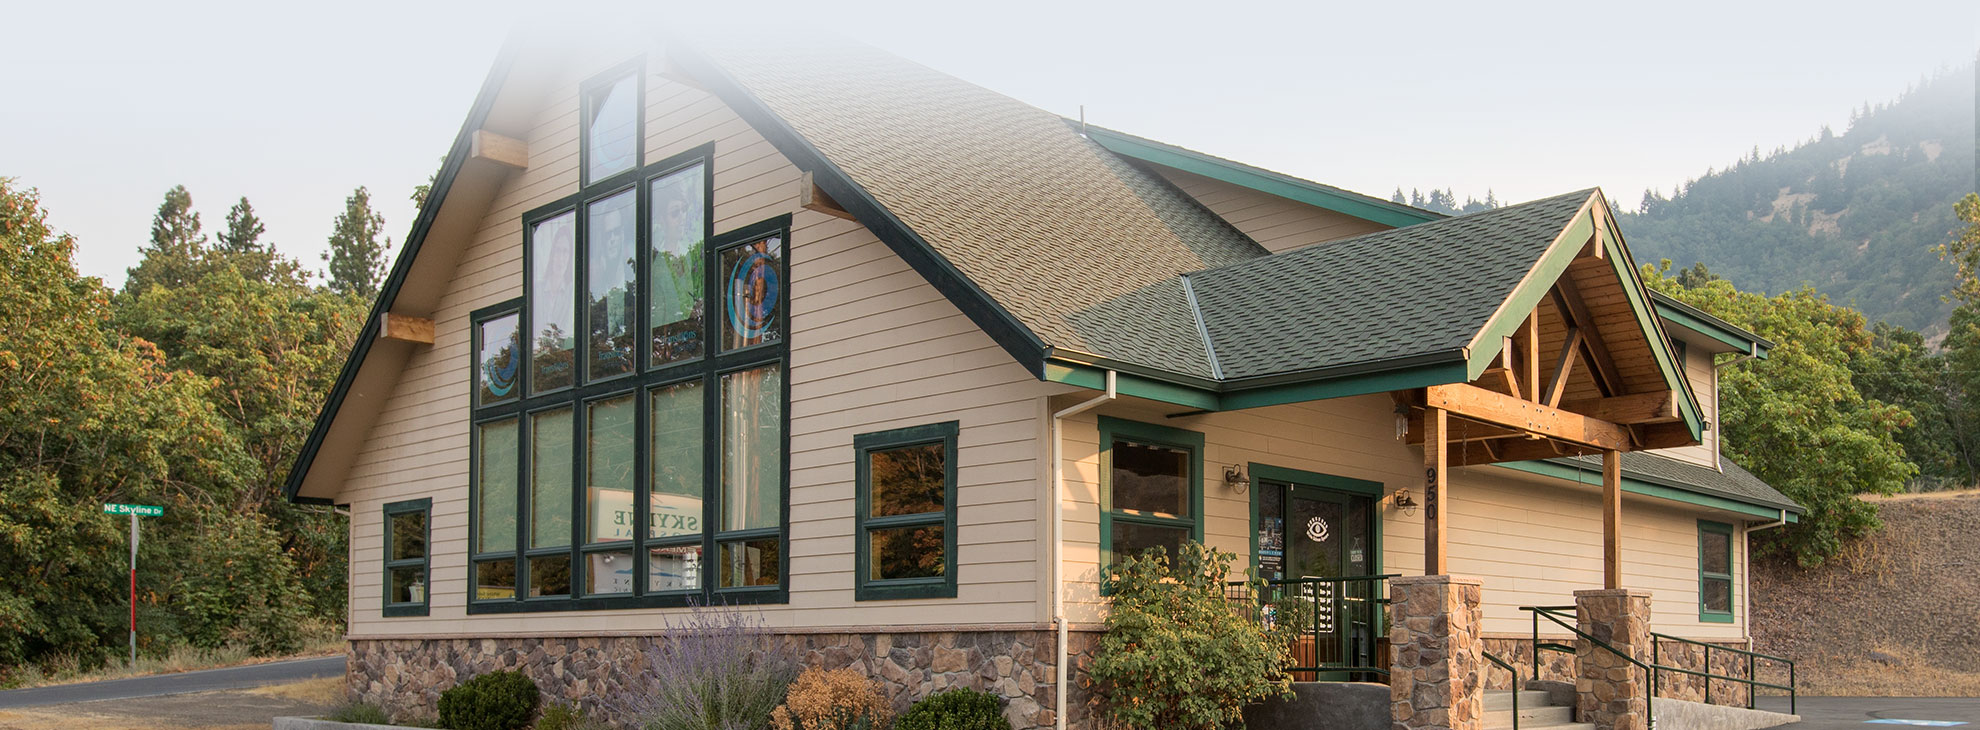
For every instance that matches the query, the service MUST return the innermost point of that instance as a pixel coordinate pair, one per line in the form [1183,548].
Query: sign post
[135,511]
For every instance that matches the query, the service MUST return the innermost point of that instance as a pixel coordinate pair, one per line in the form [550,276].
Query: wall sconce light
[1404,502]
[1235,479]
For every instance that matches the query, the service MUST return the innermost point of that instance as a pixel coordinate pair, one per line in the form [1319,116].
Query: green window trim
[1118,428]
[422,506]
[867,588]
[587,93]
[1705,614]
[748,555]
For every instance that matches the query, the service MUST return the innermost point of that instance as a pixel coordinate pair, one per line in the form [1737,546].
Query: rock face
[1609,689]
[603,675]
[1437,667]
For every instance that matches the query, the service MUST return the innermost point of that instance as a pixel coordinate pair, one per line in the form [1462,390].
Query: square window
[406,534]
[1151,479]
[549,576]
[673,568]
[748,563]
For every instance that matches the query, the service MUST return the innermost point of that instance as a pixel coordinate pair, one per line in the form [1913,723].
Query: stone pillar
[1437,665]
[1609,691]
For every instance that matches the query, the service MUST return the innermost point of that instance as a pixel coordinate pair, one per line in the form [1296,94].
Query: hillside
[1893,614]
[1857,214]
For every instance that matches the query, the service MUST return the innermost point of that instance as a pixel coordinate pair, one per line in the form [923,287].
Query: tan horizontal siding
[873,347]
[1278,224]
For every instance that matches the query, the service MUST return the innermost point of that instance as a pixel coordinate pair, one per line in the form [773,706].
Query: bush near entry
[956,709]
[1177,654]
[494,701]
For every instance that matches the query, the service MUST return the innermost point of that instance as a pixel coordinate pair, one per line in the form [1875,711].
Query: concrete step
[1501,699]
[1537,717]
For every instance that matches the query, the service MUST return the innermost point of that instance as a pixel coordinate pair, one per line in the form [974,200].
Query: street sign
[135,511]
[141,510]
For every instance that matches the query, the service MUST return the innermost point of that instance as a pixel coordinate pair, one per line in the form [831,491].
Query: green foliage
[359,712]
[176,245]
[503,700]
[560,716]
[1797,418]
[1176,653]
[956,709]
[1856,214]
[357,255]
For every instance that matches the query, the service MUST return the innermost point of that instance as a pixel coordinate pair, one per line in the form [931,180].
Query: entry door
[1312,532]
[1326,535]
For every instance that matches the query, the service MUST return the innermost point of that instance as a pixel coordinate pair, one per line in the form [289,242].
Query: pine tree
[244,230]
[1398,197]
[357,255]
[177,247]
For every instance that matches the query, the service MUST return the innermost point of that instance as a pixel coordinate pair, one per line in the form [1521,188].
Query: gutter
[1746,570]
[1059,545]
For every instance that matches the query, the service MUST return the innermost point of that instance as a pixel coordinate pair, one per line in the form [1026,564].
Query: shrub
[1177,654]
[560,716]
[493,701]
[718,669]
[956,709]
[359,712]
[832,699]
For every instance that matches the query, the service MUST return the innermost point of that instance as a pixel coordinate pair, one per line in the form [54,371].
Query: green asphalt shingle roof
[1734,482]
[1427,288]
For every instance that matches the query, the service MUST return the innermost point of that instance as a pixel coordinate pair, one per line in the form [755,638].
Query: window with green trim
[905,513]
[407,529]
[629,440]
[1715,580]
[1151,491]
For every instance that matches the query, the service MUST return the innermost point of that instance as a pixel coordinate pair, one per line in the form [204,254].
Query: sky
[292,105]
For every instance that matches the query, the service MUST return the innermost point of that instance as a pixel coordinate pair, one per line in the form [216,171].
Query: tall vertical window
[905,513]
[639,465]
[611,107]
[406,562]
[1151,489]
[1715,580]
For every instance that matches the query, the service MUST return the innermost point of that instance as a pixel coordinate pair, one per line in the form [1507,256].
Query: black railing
[1752,680]
[1553,613]
[1341,619]
[1516,684]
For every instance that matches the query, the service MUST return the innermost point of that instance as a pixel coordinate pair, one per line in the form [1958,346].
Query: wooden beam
[1658,407]
[1459,431]
[401,328]
[505,151]
[1479,404]
[1435,497]
[1665,436]
[1611,519]
[812,198]
[1529,351]
[1567,299]
[1499,380]
[1563,367]
[1480,453]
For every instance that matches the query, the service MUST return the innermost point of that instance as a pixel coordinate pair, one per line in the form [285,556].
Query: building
[904,362]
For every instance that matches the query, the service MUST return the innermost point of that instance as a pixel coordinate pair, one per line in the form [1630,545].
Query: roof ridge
[1196,311]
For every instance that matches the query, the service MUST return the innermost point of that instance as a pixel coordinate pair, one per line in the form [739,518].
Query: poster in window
[752,289]
[498,361]
[609,271]
[552,298]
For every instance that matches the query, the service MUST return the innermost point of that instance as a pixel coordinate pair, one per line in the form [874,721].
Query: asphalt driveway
[1872,713]
[206,680]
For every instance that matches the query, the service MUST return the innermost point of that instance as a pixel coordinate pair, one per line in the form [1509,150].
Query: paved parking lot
[1860,713]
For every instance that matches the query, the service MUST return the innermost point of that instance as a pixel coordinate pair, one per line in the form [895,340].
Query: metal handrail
[1515,684]
[1752,680]
[1338,600]
[1649,670]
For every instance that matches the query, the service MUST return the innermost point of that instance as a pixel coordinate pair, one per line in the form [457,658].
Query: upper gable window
[611,123]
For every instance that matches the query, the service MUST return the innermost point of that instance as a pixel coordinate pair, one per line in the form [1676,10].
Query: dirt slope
[1896,614]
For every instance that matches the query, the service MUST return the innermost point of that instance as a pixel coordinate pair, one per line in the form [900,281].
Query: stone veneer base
[598,673]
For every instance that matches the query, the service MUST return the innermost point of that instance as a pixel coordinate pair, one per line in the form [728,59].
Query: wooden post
[1435,448]
[1612,519]
[1529,351]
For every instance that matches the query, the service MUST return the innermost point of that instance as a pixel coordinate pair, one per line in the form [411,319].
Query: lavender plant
[715,668]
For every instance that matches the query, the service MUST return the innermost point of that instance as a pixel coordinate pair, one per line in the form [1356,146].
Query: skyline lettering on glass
[675,256]
[613,126]
[609,274]
[553,285]
[752,289]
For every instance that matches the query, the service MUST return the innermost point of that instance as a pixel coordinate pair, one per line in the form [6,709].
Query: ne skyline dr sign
[141,510]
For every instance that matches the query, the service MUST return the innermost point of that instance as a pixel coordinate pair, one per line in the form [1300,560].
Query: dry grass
[1892,614]
[326,641]
[324,691]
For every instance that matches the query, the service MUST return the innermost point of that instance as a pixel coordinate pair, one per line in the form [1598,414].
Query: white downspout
[1746,569]
[1059,546]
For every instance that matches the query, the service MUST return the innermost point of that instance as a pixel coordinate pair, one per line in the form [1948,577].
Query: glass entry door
[1309,540]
